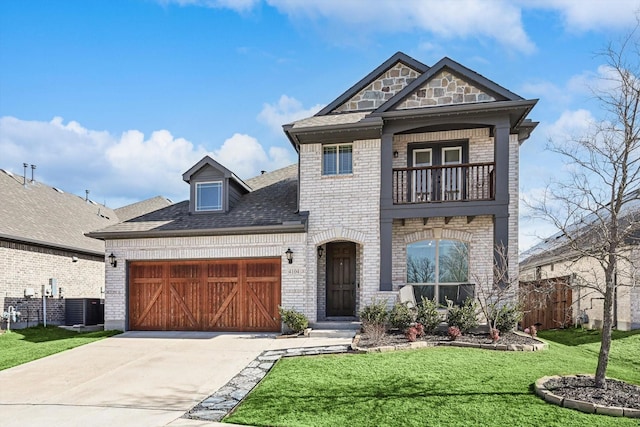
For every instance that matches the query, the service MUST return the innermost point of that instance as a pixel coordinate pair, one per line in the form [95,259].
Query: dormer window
[209,196]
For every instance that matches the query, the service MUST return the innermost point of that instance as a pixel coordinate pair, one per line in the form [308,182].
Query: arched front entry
[341,279]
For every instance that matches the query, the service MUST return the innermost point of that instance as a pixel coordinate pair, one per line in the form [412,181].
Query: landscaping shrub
[464,317]
[374,318]
[401,316]
[427,315]
[505,317]
[294,320]
[453,332]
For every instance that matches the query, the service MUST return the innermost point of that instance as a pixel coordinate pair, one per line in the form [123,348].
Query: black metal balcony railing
[471,181]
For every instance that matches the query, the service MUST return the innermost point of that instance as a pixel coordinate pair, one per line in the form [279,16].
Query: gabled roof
[38,214]
[501,93]
[143,207]
[269,209]
[371,77]
[208,161]
[268,178]
[428,94]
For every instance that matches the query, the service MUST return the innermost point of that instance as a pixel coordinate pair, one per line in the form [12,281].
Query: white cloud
[466,19]
[237,5]
[585,15]
[570,124]
[286,110]
[121,169]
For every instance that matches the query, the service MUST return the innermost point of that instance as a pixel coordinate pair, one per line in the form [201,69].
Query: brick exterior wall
[28,266]
[295,289]
[342,208]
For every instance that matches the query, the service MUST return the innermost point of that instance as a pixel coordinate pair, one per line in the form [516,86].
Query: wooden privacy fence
[546,303]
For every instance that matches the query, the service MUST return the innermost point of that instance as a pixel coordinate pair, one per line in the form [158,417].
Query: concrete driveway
[133,379]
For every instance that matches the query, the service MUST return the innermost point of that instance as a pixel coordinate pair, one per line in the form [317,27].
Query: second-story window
[209,196]
[337,159]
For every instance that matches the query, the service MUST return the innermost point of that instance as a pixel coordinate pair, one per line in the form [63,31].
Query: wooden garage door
[215,295]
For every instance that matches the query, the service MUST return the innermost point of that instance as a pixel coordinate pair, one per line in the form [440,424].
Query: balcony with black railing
[439,184]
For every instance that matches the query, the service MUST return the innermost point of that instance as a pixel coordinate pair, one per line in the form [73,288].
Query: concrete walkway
[133,379]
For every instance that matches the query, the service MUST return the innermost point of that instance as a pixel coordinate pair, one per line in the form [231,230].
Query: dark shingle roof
[272,206]
[269,178]
[140,208]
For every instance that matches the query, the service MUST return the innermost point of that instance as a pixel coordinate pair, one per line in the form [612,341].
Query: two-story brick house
[409,177]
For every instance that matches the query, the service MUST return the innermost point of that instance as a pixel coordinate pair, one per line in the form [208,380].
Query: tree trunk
[605,344]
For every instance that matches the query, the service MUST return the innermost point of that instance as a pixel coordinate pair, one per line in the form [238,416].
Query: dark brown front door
[341,279]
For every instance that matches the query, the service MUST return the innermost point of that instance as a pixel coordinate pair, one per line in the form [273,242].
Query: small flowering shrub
[495,334]
[453,332]
[531,330]
[419,329]
[411,333]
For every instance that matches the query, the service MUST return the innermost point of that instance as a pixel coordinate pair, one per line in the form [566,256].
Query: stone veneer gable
[381,90]
[443,89]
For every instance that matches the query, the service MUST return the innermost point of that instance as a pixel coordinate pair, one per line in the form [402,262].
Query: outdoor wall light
[289,254]
[112,260]
[395,154]
[320,251]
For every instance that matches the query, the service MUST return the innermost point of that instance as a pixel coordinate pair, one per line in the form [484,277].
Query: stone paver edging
[225,399]
[580,405]
[424,344]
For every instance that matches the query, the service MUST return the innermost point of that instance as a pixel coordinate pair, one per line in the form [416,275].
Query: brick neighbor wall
[28,266]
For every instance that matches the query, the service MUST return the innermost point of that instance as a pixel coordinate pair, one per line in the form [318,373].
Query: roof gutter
[286,227]
[49,245]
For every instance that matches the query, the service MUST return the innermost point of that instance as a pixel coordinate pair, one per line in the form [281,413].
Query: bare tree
[597,208]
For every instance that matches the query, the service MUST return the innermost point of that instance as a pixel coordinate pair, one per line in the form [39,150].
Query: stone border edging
[224,400]
[581,405]
[425,344]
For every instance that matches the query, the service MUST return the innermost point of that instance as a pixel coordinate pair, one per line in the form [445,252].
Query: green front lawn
[442,386]
[24,345]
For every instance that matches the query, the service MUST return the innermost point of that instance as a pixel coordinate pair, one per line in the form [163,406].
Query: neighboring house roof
[38,214]
[266,210]
[140,208]
[269,178]
[558,247]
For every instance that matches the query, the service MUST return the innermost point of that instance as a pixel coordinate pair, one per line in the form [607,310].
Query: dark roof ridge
[373,75]
[456,68]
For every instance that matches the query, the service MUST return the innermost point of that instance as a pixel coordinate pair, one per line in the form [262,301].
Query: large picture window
[337,159]
[439,269]
[209,196]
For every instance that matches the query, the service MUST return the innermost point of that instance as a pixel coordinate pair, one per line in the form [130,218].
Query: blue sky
[122,96]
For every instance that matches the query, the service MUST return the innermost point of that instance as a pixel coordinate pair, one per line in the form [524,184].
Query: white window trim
[197,207]
[344,144]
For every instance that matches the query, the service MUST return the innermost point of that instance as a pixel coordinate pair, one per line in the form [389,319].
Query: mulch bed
[396,337]
[617,393]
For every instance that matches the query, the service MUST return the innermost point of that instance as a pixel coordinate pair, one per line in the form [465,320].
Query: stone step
[332,333]
[344,324]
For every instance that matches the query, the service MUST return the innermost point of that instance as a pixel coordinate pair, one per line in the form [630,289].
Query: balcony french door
[423,186]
